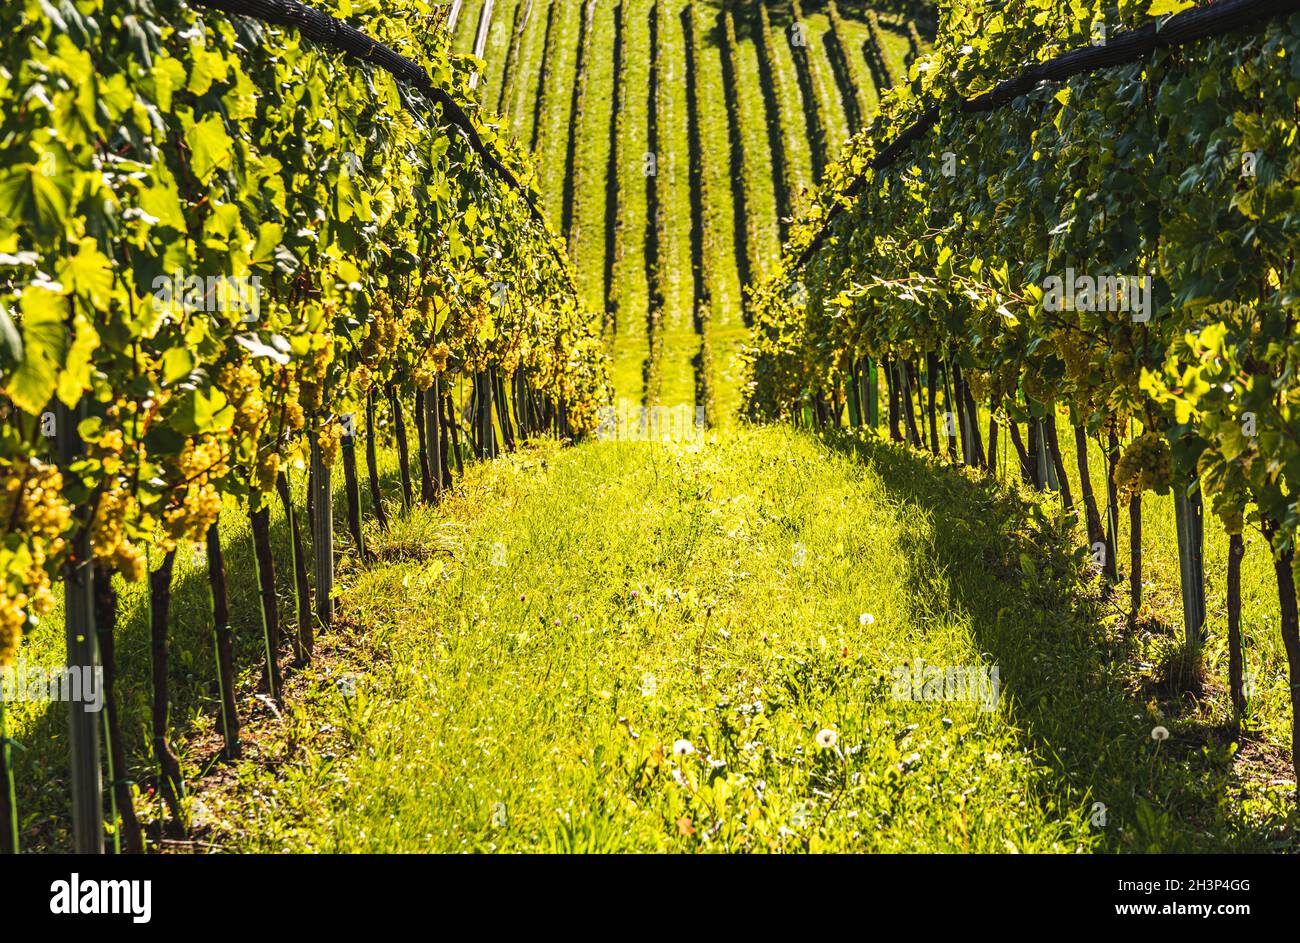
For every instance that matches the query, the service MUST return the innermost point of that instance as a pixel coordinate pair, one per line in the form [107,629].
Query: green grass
[594,143]
[728,327]
[466,25]
[1268,717]
[753,132]
[652,594]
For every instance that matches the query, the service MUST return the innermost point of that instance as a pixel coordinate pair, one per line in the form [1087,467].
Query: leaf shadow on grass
[1067,670]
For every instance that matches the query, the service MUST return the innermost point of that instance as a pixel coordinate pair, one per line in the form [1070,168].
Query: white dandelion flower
[683,748]
[826,739]
[866,619]
[1159,733]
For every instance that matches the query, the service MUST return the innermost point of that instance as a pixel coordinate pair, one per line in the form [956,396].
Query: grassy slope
[556,109]
[818,27]
[629,346]
[728,327]
[753,132]
[594,127]
[896,46]
[652,594]
[786,89]
[498,47]
[554,104]
[466,26]
[522,109]
[680,339]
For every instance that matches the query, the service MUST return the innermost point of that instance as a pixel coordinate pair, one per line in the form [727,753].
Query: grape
[1145,465]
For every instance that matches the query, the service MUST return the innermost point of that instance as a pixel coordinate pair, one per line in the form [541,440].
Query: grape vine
[221,241]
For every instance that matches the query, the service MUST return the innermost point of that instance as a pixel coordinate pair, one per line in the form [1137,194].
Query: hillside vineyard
[619,426]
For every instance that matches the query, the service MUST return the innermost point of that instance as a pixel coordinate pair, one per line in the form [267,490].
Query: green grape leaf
[203,410]
[45,341]
[163,203]
[210,147]
[176,365]
[208,66]
[74,378]
[88,273]
[30,195]
[268,239]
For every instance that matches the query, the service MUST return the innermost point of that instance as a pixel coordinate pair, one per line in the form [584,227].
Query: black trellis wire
[1124,47]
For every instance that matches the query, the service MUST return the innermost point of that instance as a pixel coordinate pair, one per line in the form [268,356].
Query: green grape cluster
[1146,464]
[37,517]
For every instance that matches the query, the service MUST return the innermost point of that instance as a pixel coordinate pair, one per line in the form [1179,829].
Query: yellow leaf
[1164,7]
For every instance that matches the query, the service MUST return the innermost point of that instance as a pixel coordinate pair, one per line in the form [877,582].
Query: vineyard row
[339,234]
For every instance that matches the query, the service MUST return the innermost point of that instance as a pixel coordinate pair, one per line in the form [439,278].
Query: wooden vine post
[322,532]
[223,643]
[264,568]
[1188,511]
[83,655]
[8,798]
[403,453]
[372,464]
[351,485]
[304,639]
[433,435]
[1045,471]
[873,394]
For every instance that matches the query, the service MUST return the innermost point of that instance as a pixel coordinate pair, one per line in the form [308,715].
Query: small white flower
[866,619]
[649,685]
[683,748]
[826,739]
[1159,733]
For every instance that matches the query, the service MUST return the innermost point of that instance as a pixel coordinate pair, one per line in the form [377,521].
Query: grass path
[535,651]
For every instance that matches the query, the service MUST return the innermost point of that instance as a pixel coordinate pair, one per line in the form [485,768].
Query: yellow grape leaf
[210,147]
[74,378]
[88,273]
[45,340]
[208,67]
[1164,7]
[163,203]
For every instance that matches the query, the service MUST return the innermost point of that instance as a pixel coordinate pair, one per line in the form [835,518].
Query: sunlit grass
[656,594]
